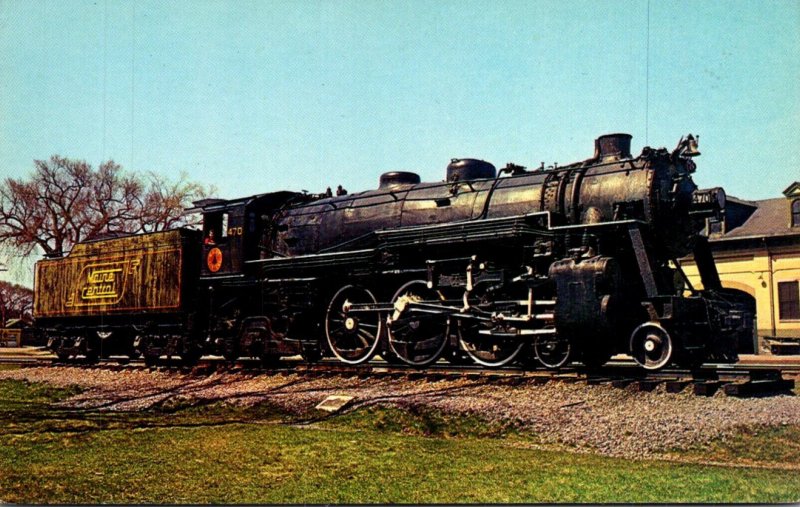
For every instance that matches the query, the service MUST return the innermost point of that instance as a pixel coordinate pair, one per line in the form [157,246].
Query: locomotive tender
[546,266]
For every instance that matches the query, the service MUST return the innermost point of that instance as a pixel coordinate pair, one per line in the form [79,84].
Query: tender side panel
[132,274]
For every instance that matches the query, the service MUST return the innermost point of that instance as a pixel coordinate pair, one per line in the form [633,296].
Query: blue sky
[268,95]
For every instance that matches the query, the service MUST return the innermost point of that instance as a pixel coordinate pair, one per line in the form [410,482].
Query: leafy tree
[16,302]
[66,201]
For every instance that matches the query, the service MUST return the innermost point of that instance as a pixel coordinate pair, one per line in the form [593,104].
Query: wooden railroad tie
[706,387]
[622,383]
[676,386]
[756,387]
[647,385]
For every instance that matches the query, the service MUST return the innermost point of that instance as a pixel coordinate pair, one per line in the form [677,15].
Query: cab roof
[212,205]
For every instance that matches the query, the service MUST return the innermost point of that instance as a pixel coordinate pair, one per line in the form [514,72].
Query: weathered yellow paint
[130,274]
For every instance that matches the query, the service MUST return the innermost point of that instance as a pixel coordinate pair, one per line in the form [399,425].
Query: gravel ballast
[594,418]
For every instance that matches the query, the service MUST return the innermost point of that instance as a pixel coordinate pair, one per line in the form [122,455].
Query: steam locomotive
[540,267]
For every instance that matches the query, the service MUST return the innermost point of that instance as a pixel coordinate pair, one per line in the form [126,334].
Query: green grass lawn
[252,455]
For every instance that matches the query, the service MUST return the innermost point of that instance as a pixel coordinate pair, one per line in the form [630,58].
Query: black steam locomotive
[546,266]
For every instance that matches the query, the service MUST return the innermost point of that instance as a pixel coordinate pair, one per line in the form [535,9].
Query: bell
[691,146]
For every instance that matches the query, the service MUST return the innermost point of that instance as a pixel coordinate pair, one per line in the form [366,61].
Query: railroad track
[734,380]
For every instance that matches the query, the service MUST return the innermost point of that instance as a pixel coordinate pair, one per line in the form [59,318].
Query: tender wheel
[417,338]
[651,346]
[230,350]
[499,348]
[352,337]
[270,360]
[191,356]
[91,349]
[553,352]
[151,360]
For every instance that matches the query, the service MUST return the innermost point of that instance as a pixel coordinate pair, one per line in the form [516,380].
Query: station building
[11,335]
[756,245]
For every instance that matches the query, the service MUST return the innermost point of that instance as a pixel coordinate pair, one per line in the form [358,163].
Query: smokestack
[611,147]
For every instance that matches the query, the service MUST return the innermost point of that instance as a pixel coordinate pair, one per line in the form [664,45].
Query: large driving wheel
[651,346]
[552,351]
[417,338]
[497,346]
[352,337]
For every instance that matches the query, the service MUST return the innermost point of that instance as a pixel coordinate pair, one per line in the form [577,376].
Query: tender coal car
[107,294]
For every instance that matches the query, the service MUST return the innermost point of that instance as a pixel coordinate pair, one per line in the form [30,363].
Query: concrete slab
[334,403]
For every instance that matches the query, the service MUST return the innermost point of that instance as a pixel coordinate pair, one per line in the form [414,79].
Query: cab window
[215,228]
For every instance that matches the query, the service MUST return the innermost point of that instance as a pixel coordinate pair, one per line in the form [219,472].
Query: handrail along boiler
[547,266]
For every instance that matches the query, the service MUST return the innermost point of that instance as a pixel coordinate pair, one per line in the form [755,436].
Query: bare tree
[66,201]
[165,201]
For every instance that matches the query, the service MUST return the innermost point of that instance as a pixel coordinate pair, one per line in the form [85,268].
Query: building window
[796,213]
[715,226]
[788,300]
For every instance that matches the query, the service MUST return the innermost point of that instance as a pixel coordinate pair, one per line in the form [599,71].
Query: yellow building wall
[757,272]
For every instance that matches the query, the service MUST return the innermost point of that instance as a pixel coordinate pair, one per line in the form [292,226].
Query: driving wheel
[352,336]
[417,338]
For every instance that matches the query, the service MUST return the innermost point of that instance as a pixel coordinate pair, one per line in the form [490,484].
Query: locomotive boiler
[545,266]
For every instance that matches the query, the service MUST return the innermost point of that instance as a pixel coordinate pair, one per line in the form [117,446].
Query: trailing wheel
[595,355]
[311,354]
[552,351]
[651,346]
[352,337]
[490,344]
[417,338]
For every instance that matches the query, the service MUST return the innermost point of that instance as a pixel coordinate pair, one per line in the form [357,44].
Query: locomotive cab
[233,231]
